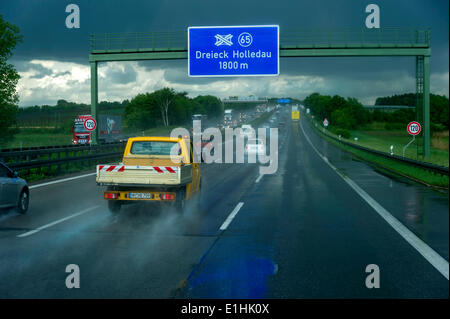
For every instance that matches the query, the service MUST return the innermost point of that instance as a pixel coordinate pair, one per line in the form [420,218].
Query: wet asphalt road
[300,233]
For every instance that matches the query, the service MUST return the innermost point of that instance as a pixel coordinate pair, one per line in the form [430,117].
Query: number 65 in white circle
[245,39]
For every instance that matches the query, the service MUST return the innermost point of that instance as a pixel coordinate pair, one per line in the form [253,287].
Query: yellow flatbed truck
[295,114]
[158,169]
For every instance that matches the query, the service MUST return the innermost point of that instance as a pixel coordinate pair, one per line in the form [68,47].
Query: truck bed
[144,176]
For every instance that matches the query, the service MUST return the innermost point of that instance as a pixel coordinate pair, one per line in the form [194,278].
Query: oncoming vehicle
[158,169]
[14,190]
[80,135]
[255,146]
[228,118]
[199,117]
[247,130]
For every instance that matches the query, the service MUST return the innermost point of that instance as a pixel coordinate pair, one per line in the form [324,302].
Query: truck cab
[159,169]
[80,135]
[295,114]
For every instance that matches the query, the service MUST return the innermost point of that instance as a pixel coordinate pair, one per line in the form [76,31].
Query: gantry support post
[426,106]
[94,99]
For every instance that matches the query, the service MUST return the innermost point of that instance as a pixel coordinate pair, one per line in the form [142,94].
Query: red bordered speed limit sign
[90,124]
[414,128]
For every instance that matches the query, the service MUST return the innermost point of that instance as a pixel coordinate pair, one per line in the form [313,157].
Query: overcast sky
[53,60]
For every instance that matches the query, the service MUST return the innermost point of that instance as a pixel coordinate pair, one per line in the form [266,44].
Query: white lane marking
[259,178]
[426,251]
[57,221]
[61,180]
[231,216]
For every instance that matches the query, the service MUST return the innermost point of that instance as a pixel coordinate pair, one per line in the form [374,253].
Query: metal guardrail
[137,40]
[289,38]
[35,148]
[351,37]
[59,156]
[64,161]
[424,165]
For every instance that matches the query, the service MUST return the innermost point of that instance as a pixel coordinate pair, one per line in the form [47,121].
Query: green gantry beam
[344,43]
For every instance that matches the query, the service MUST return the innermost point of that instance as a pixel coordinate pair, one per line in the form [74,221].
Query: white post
[404,148]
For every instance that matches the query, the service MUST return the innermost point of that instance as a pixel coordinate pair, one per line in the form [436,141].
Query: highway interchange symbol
[223,39]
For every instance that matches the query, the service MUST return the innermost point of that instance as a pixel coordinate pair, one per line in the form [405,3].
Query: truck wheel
[24,199]
[114,206]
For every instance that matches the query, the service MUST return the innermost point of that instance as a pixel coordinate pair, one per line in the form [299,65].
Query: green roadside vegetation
[37,174]
[30,138]
[390,166]
[379,129]
[155,113]
[50,136]
[10,37]
[375,137]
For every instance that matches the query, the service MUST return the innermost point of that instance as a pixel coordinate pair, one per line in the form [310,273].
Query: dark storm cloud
[39,71]
[46,37]
[354,67]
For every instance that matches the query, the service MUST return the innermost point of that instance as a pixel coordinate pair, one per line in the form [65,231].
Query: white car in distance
[247,130]
[255,146]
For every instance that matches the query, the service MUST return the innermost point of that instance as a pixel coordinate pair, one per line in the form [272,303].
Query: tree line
[66,106]
[439,105]
[346,114]
[166,107]
[9,38]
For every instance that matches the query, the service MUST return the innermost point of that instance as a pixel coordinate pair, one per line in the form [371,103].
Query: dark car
[14,190]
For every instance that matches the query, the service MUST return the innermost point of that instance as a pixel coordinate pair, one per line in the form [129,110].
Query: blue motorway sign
[233,51]
[284,101]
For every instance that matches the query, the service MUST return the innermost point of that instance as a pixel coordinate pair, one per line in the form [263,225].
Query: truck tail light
[111,195]
[167,196]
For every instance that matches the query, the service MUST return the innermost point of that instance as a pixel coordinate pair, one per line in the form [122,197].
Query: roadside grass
[30,139]
[45,172]
[36,174]
[376,137]
[415,173]
[39,136]
[440,140]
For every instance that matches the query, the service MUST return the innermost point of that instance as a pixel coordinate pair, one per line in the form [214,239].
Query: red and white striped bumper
[121,168]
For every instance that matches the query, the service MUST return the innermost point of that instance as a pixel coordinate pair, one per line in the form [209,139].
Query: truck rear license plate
[140,195]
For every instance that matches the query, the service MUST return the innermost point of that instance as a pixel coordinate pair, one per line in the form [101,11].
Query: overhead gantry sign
[291,43]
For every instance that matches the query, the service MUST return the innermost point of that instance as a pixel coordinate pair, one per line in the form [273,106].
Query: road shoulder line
[436,260]
[31,232]
[61,180]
